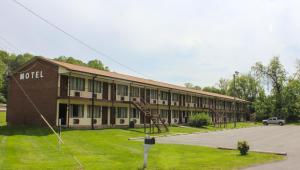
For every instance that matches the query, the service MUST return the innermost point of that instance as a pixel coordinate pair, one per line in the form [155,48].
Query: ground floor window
[76,110]
[164,113]
[175,114]
[122,112]
[97,111]
[135,113]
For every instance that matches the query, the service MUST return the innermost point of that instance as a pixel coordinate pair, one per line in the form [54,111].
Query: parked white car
[274,120]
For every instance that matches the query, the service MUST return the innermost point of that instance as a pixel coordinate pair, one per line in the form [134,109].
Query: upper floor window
[77,83]
[188,99]
[122,90]
[163,95]
[153,94]
[76,110]
[175,97]
[194,99]
[97,86]
[97,111]
[122,112]
[135,92]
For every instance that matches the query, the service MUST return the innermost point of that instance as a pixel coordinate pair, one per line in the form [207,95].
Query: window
[76,110]
[97,111]
[122,112]
[175,114]
[188,99]
[135,92]
[77,83]
[175,97]
[163,95]
[164,113]
[153,94]
[122,90]
[97,86]
[194,99]
[135,113]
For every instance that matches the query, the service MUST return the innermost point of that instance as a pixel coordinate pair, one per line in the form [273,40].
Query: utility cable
[74,37]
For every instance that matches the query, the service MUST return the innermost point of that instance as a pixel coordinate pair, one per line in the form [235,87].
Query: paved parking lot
[263,138]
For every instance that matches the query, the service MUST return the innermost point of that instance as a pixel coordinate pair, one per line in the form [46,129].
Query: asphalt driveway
[263,138]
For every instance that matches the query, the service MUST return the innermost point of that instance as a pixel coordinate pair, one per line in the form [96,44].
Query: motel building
[83,97]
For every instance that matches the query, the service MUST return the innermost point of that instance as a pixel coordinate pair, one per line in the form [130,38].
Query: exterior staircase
[151,119]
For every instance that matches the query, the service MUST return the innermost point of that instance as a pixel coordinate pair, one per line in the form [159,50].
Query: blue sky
[195,41]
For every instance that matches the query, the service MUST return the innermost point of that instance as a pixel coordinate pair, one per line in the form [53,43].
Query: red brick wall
[42,91]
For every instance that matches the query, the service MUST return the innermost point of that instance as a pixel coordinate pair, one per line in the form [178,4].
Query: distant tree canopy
[283,100]
[9,62]
[97,64]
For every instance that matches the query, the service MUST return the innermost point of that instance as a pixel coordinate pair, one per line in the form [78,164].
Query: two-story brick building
[77,95]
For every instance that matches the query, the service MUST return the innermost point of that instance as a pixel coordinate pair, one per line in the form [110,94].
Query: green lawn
[2,119]
[187,129]
[36,148]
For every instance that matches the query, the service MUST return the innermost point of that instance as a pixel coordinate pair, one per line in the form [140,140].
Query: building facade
[84,97]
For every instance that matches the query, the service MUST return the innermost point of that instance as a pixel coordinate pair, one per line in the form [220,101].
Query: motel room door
[147,95]
[104,115]
[105,91]
[63,113]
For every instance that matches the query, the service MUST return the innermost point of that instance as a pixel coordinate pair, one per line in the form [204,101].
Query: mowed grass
[2,119]
[37,148]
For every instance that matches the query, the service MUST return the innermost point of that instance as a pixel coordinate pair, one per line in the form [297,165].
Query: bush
[200,119]
[2,99]
[243,147]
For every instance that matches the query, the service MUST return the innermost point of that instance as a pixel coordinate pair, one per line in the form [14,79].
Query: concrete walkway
[263,138]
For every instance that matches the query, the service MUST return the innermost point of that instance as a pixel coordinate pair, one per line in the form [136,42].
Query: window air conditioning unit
[75,121]
[77,94]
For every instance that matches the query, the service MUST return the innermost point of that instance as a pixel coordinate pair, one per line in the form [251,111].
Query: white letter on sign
[41,74]
[22,76]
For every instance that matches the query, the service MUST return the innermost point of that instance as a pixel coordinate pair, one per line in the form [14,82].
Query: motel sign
[32,75]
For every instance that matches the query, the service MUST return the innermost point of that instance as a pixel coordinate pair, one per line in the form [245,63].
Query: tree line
[272,91]
[11,61]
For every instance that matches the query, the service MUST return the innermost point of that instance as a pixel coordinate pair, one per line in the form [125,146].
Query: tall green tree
[291,100]
[246,87]
[223,85]
[274,73]
[263,105]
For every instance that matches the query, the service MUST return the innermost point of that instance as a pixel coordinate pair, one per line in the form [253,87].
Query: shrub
[2,99]
[243,147]
[199,120]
